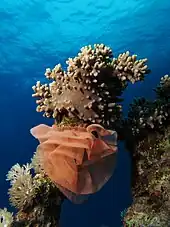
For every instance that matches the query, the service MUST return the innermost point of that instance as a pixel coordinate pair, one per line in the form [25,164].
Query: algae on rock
[150,123]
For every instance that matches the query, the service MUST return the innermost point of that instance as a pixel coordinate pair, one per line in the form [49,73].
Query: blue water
[36,34]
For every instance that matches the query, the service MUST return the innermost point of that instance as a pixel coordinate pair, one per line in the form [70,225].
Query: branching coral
[90,89]
[128,68]
[163,89]
[146,116]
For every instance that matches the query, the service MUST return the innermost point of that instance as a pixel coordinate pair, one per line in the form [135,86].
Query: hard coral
[163,89]
[90,88]
[145,116]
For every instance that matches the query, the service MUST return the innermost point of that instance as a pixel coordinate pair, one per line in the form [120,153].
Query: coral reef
[151,189]
[89,92]
[150,123]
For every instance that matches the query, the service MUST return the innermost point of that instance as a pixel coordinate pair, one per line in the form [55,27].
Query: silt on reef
[88,92]
[150,123]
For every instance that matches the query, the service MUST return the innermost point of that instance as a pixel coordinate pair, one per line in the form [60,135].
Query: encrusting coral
[88,95]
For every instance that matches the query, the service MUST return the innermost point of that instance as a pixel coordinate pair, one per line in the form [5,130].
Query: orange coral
[80,160]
